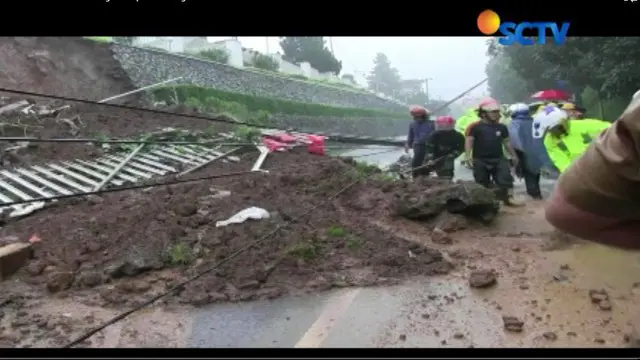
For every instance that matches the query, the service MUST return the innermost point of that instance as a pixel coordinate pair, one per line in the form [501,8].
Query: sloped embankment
[66,66]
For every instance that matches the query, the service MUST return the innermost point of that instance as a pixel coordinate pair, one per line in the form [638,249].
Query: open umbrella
[551,95]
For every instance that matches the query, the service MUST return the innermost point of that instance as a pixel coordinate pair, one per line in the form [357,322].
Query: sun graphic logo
[488,22]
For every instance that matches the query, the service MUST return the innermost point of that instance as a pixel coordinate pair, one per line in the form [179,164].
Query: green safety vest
[465,120]
[564,150]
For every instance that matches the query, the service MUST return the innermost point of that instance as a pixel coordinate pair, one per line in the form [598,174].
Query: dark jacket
[445,142]
[419,132]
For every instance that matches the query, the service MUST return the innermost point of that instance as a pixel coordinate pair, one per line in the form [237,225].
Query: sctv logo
[489,24]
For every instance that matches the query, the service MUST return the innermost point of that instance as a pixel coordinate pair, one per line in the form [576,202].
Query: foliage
[127,40]
[236,101]
[599,68]
[217,55]
[384,78]
[506,84]
[311,49]
[264,62]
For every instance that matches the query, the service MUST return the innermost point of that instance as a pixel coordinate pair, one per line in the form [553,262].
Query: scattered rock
[564,267]
[512,323]
[597,296]
[458,335]
[59,281]
[605,305]
[550,335]
[438,236]
[35,268]
[402,337]
[482,278]
[89,279]
[599,340]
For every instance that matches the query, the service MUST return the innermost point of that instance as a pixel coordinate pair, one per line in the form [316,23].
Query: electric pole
[266,41]
[331,45]
[426,87]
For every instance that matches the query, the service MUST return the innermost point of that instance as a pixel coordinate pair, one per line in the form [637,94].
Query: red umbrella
[551,95]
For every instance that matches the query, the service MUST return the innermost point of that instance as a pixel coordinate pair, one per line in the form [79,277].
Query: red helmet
[445,120]
[417,110]
[489,104]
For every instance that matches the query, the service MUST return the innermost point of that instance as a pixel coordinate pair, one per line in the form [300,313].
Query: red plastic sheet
[316,145]
[274,145]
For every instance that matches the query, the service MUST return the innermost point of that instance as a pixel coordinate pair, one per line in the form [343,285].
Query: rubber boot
[509,199]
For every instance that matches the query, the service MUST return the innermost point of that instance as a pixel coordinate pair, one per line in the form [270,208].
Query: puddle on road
[615,268]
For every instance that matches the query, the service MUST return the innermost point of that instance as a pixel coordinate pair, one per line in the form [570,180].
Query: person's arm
[459,143]
[410,138]
[430,144]
[559,158]
[506,142]
[468,145]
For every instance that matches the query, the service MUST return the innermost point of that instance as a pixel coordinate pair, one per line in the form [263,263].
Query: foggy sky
[453,63]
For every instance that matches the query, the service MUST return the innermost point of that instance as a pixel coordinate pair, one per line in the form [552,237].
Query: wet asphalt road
[369,317]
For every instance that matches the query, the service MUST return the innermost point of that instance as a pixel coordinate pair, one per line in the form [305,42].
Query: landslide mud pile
[77,68]
[47,119]
[130,245]
[64,66]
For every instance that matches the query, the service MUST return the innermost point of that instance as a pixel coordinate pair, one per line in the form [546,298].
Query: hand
[406,149]
[514,162]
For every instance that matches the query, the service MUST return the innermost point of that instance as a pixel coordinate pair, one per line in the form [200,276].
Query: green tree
[265,62]
[600,69]
[383,77]
[311,49]
[505,84]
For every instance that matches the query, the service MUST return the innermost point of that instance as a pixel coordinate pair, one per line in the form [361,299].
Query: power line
[221,119]
[133,187]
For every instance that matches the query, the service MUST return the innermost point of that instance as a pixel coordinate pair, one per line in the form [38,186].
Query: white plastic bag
[253,212]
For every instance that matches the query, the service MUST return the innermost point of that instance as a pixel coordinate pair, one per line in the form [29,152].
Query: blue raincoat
[521,137]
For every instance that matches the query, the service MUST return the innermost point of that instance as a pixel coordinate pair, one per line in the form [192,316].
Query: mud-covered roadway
[441,280]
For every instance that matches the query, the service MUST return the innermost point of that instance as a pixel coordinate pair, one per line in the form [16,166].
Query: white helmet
[518,108]
[547,118]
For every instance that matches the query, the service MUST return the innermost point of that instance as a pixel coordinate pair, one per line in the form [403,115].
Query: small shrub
[178,254]
[301,77]
[265,62]
[336,231]
[305,250]
[218,99]
[217,55]
[245,133]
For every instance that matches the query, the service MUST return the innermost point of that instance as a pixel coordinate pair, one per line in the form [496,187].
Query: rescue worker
[598,197]
[486,141]
[419,130]
[575,112]
[465,120]
[521,135]
[444,145]
[565,139]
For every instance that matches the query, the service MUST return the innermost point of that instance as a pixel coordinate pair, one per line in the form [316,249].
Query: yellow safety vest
[565,149]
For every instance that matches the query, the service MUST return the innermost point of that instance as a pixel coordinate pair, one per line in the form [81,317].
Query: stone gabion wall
[148,66]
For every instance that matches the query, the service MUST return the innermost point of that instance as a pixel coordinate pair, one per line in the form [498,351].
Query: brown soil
[63,66]
[97,243]
[77,68]
[91,121]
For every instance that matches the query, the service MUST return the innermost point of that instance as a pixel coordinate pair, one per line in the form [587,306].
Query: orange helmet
[417,110]
[489,104]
